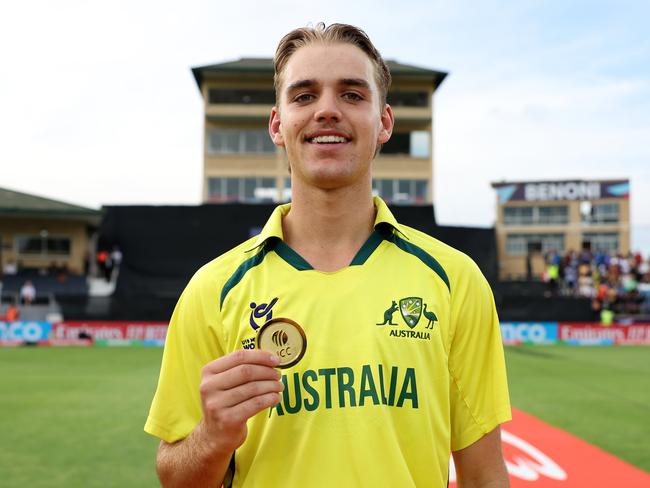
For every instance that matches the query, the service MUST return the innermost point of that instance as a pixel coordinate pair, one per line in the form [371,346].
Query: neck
[328,227]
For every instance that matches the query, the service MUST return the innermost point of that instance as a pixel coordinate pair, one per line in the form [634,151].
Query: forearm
[193,461]
[481,465]
[495,483]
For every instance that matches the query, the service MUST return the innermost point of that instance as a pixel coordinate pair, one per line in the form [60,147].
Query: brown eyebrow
[309,83]
[296,85]
[355,82]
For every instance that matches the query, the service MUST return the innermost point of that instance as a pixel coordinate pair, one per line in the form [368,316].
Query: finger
[244,393]
[245,410]
[236,376]
[242,356]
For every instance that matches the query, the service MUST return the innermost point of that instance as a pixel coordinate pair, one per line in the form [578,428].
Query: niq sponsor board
[24,331]
[514,333]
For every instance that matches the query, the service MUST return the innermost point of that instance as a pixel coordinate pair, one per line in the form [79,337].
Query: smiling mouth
[327,139]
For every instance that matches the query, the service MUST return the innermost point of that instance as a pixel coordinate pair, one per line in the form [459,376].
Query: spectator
[616,282]
[644,291]
[116,260]
[102,260]
[28,293]
[552,271]
[12,314]
[585,282]
[62,273]
[10,268]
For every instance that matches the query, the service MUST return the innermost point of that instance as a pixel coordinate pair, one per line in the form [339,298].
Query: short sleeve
[192,341]
[478,385]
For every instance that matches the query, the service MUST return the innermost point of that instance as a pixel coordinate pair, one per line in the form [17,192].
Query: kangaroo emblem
[388,314]
[431,317]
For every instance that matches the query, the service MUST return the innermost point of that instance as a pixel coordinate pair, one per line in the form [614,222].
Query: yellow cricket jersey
[403,363]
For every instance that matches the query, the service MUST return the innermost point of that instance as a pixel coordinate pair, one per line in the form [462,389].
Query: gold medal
[285,338]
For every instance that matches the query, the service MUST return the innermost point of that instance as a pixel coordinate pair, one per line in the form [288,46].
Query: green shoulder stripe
[421,254]
[241,271]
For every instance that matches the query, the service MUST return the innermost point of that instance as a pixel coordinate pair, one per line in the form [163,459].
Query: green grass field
[73,417]
[600,394]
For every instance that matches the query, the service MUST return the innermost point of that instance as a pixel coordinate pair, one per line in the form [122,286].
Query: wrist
[212,446]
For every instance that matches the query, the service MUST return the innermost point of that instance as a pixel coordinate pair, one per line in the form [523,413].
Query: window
[415,144]
[421,190]
[239,141]
[603,242]
[518,215]
[553,215]
[408,99]
[401,191]
[265,191]
[519,244]
[242,96]
[251,190]
[548,215]
[420,143]
[43,246]
[399,143]
[601,213]
[258,141]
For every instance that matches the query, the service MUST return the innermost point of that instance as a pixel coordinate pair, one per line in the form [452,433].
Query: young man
[388,340]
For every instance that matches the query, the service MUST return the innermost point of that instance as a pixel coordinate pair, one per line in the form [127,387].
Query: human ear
[387,122]
[274,128]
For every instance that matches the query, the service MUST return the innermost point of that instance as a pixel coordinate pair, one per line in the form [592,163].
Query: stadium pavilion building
[36,231]
[241,164]
[535,217]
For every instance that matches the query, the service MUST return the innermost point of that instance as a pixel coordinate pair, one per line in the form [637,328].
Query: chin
[331,180]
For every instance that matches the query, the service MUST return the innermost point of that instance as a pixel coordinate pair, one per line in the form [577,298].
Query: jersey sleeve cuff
[476,431]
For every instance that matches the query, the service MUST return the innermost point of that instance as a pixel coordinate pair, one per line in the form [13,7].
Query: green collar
[273,227]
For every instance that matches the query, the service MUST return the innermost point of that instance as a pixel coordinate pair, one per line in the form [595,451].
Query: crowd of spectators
[613,281]
[24,287]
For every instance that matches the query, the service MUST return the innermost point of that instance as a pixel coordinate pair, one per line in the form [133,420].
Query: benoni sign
[574,190]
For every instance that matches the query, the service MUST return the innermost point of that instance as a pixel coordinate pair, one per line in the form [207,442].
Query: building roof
[15,203]
[264,66]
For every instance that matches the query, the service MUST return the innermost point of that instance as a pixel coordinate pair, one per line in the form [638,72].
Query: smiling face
[328,117]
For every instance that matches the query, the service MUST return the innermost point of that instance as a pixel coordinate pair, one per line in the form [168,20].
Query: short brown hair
[333,33]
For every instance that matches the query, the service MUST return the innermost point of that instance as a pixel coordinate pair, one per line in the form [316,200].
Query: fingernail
[275,359]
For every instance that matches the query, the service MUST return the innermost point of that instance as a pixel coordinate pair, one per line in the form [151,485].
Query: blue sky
[98,105]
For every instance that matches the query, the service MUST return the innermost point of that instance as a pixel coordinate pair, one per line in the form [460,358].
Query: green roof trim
[19,203]
[264,66]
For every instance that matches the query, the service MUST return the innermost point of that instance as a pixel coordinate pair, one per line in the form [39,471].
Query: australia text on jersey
[345,387]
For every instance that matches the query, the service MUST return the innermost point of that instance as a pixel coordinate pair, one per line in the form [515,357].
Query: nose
[327,108]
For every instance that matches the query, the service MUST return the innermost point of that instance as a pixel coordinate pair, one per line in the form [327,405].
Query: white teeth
[327,139]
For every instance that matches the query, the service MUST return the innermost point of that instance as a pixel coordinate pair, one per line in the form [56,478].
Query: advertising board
[111,332]
[27,331]
[514,333]
[581,334]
